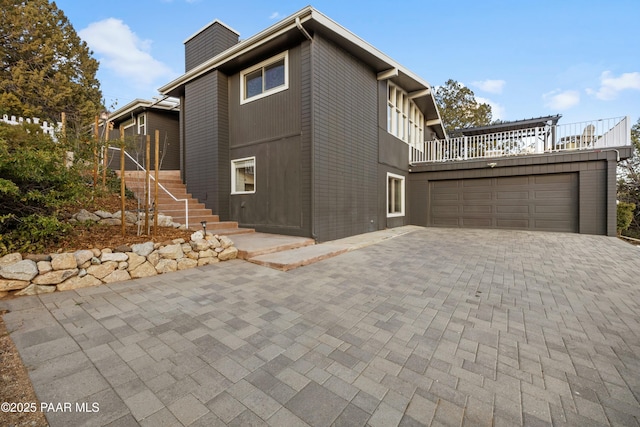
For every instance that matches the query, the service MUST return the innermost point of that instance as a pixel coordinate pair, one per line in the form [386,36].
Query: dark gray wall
[206,142]
[210,42]
[596,183]
[270,129]
[168,125]
[345,143]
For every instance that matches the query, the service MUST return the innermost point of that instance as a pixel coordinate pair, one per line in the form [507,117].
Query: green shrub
[624,216]
[35,184]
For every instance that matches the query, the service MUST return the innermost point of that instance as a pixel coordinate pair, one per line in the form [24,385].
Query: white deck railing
[186,201]
[596,134]
[47,128]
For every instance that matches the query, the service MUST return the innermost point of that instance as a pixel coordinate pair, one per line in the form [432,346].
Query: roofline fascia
[238,49]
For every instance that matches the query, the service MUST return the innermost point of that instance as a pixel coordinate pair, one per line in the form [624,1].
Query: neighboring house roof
[137,106]
[298,26]
[508,126]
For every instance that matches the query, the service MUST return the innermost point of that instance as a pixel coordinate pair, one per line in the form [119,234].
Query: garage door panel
[477,223]
[484,209]
[480,195]
[536,202]
[511,209]
[512,223]
[523,195]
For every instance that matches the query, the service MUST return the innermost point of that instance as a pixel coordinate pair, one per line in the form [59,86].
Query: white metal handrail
[595,134]
[186,201]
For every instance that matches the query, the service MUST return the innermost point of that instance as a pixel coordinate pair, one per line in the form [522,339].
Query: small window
[142,124]
[395,195]
[243,176]
[265,78]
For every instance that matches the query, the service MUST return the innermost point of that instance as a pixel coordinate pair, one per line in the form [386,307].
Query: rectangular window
[243,176]
[266,78]
[142,124]
[395,195]
[404,119]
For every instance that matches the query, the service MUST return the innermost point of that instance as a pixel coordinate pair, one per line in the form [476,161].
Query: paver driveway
[436,327]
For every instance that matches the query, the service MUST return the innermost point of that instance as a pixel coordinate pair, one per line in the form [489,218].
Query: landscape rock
[122,248]
[135,260]
[83,256]
[110,221]
[38,257]
[55,277]
[142,249]
[78,282]
[171,251]
[96,252]
[124,265]
[21,270]
[164,220]
[166,266]
[143,270]
[207,261]
[103,214]
[117,276]
[209,253]
[197,235]
[225,242]
[200,245]
[213,242]
[186,263]
[34,289]
[63,261]
[153,258]
[12,285]
[95,261]
[186,248]
[192,255]
[228,253]
[102,270]
[10,259]
[114,256]
[85,215]
[44,267]
[82,272]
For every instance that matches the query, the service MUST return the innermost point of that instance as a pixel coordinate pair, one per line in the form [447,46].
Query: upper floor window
[265,78]
[404,118]
[142,124]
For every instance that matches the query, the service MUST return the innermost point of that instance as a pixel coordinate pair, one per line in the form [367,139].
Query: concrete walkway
[433,327]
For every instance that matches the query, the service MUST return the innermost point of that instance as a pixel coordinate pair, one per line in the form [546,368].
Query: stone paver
[433,327]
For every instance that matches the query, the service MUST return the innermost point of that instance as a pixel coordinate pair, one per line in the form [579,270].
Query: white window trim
[233,175]
[404,121]
[143,125]
[402,189]
[263,64]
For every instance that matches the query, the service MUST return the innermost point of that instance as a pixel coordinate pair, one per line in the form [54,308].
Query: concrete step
[294,258]
[264,243]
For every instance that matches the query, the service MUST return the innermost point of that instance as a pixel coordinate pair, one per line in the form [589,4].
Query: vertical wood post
[147,184]
[105,155]
[95,153]
[122,185]
[155,195]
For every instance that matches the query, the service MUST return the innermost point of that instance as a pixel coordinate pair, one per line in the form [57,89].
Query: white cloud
[120,50]
[274,15]
[611,86]
[561,100]
[497,110]
[491,86]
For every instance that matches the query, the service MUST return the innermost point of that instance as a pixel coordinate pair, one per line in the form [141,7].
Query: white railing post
[466,148]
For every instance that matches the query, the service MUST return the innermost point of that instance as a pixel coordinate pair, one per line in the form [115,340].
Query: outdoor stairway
[170,179]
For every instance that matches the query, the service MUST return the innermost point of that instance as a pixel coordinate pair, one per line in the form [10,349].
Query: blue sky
[526,58]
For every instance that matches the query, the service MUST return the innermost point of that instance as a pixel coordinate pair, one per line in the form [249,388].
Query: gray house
[306,129]
[140,118]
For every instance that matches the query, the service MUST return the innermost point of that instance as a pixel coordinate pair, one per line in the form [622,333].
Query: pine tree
[46,68]
[459,108]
